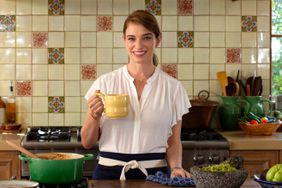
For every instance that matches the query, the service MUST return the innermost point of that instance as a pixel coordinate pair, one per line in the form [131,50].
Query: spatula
[222,78]
[21,149]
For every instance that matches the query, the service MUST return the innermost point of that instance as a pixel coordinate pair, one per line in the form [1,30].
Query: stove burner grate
[200,135]
[45,134]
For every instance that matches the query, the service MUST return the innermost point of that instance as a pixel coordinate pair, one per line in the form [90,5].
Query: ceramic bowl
[267,184]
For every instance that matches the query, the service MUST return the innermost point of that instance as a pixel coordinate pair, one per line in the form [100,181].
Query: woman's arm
[90,129]
[174,153]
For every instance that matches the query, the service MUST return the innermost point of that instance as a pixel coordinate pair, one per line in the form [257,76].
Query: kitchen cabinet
[9,165]
[256,161]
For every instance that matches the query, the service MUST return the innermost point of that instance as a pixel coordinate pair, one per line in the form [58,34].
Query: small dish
[267,184]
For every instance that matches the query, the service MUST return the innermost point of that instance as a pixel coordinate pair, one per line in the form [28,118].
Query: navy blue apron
[114,172]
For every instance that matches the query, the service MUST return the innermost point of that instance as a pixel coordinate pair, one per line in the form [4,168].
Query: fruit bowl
[265,129]
[267,184]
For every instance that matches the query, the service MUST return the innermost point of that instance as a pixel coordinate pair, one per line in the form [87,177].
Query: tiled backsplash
[53,50]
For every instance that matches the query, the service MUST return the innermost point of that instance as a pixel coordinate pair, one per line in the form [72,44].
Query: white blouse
[150,120]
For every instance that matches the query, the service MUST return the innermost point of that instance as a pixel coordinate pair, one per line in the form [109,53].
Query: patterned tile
[184,7]
[185,39]
[153,6]
[7,23]
[88,72]
[249,23]
[104,23]
[40,39]
[56,104]
[233,55]
[170,69]
[23,88]
[56,7]
[56,56]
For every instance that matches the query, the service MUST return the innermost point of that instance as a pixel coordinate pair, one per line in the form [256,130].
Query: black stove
[207,134]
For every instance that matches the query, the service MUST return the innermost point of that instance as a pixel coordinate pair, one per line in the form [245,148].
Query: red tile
[104,23]
[88,72]
[40,39]
[233,55]
[23,88]
[185,7]
[170,69]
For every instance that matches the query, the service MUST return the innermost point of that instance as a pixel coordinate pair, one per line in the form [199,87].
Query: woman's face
[140,43]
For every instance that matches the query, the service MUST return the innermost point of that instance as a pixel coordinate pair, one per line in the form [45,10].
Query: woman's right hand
[96,106]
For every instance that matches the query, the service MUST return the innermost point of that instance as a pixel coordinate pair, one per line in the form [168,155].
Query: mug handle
[102,95]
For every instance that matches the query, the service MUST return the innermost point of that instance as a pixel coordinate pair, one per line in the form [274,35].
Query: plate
[18,184]
[267,184]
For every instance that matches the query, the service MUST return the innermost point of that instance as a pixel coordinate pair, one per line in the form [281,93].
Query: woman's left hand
[178,171]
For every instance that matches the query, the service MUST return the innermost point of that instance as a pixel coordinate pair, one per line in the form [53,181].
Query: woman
[148,139]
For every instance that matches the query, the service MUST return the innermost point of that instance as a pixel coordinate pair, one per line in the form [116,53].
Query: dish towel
[165,179]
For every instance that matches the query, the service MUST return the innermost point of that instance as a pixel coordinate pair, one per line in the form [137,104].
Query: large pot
[56,168]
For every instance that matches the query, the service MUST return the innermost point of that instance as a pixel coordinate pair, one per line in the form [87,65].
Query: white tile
[217,39]
[56,88]
[169,39]
[169,23]
[217,23]
[72,39]
[102,69]
[262,8]
[39,23]
[72,72]
[185,23]
[23,23]
[72,7]
[120,55]
[88,7]
[72,88]
[23,56]
[39,56]
[263,55]
[104,39]
[185,71]
[118,23]
[201,71]
[23,7]
[118,39]
[88,56]
[72,119]
[72,23]
[215,90]
[39,119]
[39,104]
[188,85]
[24,118]
[263,70]
[201,23]
[233,23]
[104,55]
[185,55]
[217,56]
[201,7]
[39,88]
[200,85]
[217,7]
[263,39]
[40,72]
[120,7]
[249,8]
[169,7]
[56,72]
[24,104]
[7,56]
[56,23]
[7,39]
[169,55]
[201,55]
[72,55]
[249,55]
[56,39]
[135,5]
[23,72]
[88,39]
[88,23]
[84,86]
[201,39]
[23,39]
[7,72]
[214,69]
[249,39]
[263,23]
[105,7]
[40,7]
[56,119]
[7,7]
[248,70]
[233,7]
[233,39]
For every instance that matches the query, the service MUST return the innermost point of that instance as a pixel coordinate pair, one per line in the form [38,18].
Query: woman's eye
[130,39]
[148,38]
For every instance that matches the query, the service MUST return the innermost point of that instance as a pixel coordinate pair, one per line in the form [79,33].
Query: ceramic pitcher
[258,105]
[230,110]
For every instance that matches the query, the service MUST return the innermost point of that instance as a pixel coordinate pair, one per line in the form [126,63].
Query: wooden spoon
[222,78]
[21,149]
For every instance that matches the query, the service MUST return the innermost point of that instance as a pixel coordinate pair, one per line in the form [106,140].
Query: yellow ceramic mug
[116,105]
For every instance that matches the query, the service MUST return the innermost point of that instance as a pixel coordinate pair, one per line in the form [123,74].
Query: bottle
[11,106]
[2,111]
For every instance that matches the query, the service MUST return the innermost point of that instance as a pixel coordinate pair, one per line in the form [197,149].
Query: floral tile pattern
[23,88]
[56,104]
[56,7]
[40,39]
[184,7]
[88,72]
[8,23]
[104,23]
[170,69]
[233,55]
[249,23]
[56,55]
[153,6]
[185,39]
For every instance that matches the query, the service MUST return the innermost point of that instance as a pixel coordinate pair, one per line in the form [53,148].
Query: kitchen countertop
[249,183]
[14,137]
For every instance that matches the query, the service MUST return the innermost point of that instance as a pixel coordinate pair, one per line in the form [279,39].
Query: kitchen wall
[53,50]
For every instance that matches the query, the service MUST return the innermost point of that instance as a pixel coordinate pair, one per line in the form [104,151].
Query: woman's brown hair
[148,21]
